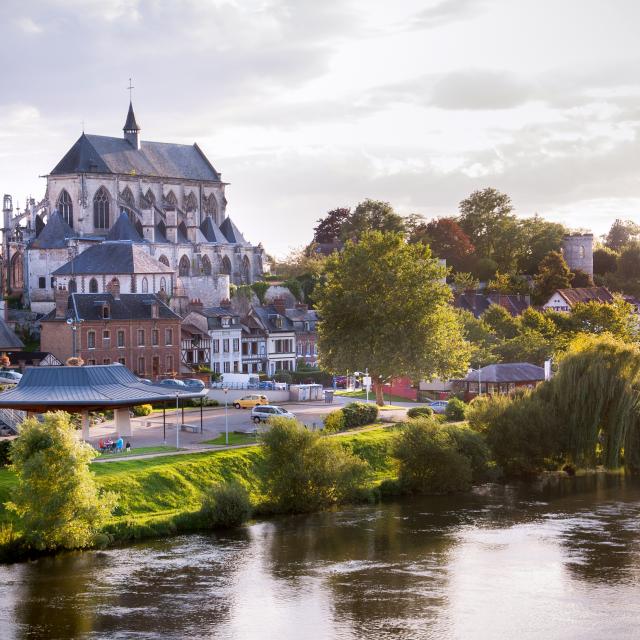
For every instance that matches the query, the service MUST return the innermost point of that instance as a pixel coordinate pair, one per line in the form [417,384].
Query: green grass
[137,451]
[234,439]
[361,395]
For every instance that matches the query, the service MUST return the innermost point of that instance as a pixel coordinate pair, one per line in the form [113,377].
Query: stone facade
[577,250]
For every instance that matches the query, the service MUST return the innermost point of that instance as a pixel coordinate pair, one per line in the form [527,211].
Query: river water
[559,559]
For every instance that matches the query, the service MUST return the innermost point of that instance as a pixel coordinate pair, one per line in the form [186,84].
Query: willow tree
[384,306]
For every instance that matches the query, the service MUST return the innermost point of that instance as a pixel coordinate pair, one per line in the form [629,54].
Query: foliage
[420,412]
[303,471]
[617,318]
[527,346]
[501,322]
[604,261]
[56,500]
[329,228]
[142,410]
[283,376]
[536,238]
[294,287]
[481,338]
[381,289]
[335,421]
[225,505]
[371,215]
[463,281]
[485,268]
[581,279]
[621,234]
[429,460]
[260,288]
[455,410]
[447,240]
[5,452]
[553,273]
[357,414]
[508,283]
[473,446]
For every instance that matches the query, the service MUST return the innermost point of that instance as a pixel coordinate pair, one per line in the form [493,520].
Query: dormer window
[279,322]
[226,321]
[106,312]
[154,310]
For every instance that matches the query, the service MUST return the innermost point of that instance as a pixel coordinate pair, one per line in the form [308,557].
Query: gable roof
[55,234]
[8,339]
[211,231]
[231,232]
[267,316]
[124,230]
[508,372]
[107,154]
[586,294]
[121,256]
[478,303]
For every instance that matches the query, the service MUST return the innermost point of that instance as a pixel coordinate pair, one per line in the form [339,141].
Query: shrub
[225,505]
[429,460]
[335,421]
[5,452]
[472,445]
[282,376]
[420,412]
[357,414]
[455,410]
[303,471]
[142,410]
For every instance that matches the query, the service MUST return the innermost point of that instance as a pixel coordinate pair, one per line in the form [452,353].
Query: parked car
[265,385]
[341,382]
[10,377]
[194,384]
[172,382]
[263,412]
[439,406]
[250,401]
[145,380]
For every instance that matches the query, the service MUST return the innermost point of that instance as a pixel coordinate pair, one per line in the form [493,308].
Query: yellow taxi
[250,401]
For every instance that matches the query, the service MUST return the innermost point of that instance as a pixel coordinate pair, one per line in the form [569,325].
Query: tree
[604,261]
[621,233]
[501,322]
[508,283]
[464,282]
[481,338]
[629,262]
[538,238]
[384,306]
[372,215]
[581,279]
[553,273]
[617,319]
[528,346]
[447,240]
[329,228]
[56,499]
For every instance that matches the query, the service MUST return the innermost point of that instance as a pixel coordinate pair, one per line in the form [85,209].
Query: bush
[473,446]
[335,421]
[5,452]
[225,505]
[303,471]
[357,414]
[142,410]
[429,459]
[420,412]
[282,376]
[455,410]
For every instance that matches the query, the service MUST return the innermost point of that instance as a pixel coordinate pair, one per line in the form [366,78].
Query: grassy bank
[362,395]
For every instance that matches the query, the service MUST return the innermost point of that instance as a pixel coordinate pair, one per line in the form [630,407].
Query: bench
[193,428]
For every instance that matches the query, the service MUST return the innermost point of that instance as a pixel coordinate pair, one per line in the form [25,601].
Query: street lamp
[226,418]
[177,423]
[74,323]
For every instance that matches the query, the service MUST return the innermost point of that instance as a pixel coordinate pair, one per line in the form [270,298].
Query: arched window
[581,252]
[93,286]
[226,266]
[171,199]
[191,203]
[150,198]
[246,270]
[17,271]
[209,205]
[163,284]
[73,287]
[65,207]
[127,196]
[101,209]
[164,260]
[145,285]
[206,265]
[184,267]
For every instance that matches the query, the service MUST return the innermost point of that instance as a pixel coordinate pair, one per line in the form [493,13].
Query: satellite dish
[69,321]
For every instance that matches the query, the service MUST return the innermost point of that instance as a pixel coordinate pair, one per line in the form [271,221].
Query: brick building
[137,330]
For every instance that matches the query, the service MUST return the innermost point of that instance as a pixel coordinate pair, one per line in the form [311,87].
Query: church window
[209,205]
[93,286]
[191,203]
[184,266]
[101,209]
[73,287]
[127,196]
[65,207]
[246,270]
[150,198]
[581,252]
[145,285]
[163,285]
[226,266]
[17,271]
[206,265]
[164,260]
[171,199]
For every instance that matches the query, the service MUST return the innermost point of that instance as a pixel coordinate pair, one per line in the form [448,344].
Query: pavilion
[89,388]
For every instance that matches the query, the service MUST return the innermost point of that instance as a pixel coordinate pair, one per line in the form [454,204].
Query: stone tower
[577,249]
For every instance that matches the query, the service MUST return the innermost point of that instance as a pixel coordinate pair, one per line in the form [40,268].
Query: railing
[13,418]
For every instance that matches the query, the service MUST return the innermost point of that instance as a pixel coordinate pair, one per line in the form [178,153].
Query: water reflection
[558,559]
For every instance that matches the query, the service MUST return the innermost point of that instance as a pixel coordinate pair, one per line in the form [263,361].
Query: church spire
[131,128]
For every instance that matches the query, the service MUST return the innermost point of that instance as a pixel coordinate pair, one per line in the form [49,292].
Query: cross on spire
[130,87]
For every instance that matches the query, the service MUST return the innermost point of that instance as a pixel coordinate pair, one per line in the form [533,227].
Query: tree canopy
[447,240]
[553,273]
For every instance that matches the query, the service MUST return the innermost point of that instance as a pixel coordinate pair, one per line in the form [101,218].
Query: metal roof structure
[231,232]
[507,372]
[91,387]
[55,234]
[124,230]
[211,231]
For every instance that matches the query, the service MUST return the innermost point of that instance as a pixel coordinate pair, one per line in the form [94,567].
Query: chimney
[114,288]
[279,306]
[61,297]
[195,305]
[302,306]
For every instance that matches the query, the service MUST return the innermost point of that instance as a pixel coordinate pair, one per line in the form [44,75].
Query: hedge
[420,412]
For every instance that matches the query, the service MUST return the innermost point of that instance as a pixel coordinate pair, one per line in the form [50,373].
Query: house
[137,330]
[195,347]
[305,323]
[478,303]
[280,336]
[254,346]
[565,299]
[500,378]
[23,359]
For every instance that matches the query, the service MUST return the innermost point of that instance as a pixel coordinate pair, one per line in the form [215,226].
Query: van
[240,380]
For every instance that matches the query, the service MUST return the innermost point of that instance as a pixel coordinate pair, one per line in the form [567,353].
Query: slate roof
[113,385]
[131,124]
[55,234]
[508,372]
[121,256]
[586,294]
[107,154]
[231,232]
[267,316]
[298,316]
[211,231]
[124,230]
[8,339]
[214,317]
[478,303]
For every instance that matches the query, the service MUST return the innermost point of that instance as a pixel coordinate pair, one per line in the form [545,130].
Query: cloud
[445,12]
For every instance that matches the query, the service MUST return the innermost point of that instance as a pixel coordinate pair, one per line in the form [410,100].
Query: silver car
[439,406]
[263,412]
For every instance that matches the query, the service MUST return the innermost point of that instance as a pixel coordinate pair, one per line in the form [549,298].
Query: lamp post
[177,423]
[226,418]
[74,323]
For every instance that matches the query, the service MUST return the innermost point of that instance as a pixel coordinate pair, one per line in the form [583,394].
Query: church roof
[231,232]
[211,231]
[121,256]
[124,230]
[54,235]
[131,124]
[8,338]
[107,154]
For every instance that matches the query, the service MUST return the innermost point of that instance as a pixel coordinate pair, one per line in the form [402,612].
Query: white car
[263,412]
[439,406]
[10,377]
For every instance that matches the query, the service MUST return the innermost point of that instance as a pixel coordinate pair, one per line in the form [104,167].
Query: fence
[13,418]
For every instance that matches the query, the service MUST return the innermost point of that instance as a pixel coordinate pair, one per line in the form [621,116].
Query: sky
[308,105]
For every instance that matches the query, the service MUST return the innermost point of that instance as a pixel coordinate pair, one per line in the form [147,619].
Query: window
[226,266]
[155,337]
[65,207]
[106,337]
[154,310]
[163,284]
[145,285]
[73,287]
[141,365]
[209,204]
[168,337]
[206,265]
[216,367]
[93,286]
[191,203]
[101,209]
[106,361]
[169,364]
[164,260]
[42,282]
[53,283]
[141,337]
[215,345]
[581,252]
[91,361]
[121,338]
[184,266]
[236,344]
[227,367]
[225,346]
[122,361]
[225,322]
[106,312]
[245,349]
[91,340]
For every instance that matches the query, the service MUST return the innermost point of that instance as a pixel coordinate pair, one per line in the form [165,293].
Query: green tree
[384,306]
[508,283]
[604,261]
[621,234]
[528,346]
[372,215]
[581,279]
[617,319]
[463,281]
[553,273]
[329,228]
[501,322]
[56,499]
[481,339]
[538,238]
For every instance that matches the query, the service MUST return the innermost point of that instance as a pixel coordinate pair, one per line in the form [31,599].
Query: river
[558,559]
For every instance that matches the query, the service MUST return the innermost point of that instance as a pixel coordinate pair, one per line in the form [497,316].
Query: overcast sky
[307,105]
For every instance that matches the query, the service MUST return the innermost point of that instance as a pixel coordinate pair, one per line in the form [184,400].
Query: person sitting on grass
[127,447]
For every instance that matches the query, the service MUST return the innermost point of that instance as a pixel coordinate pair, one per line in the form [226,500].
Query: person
[101,444]
[120,444]
[128,447]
